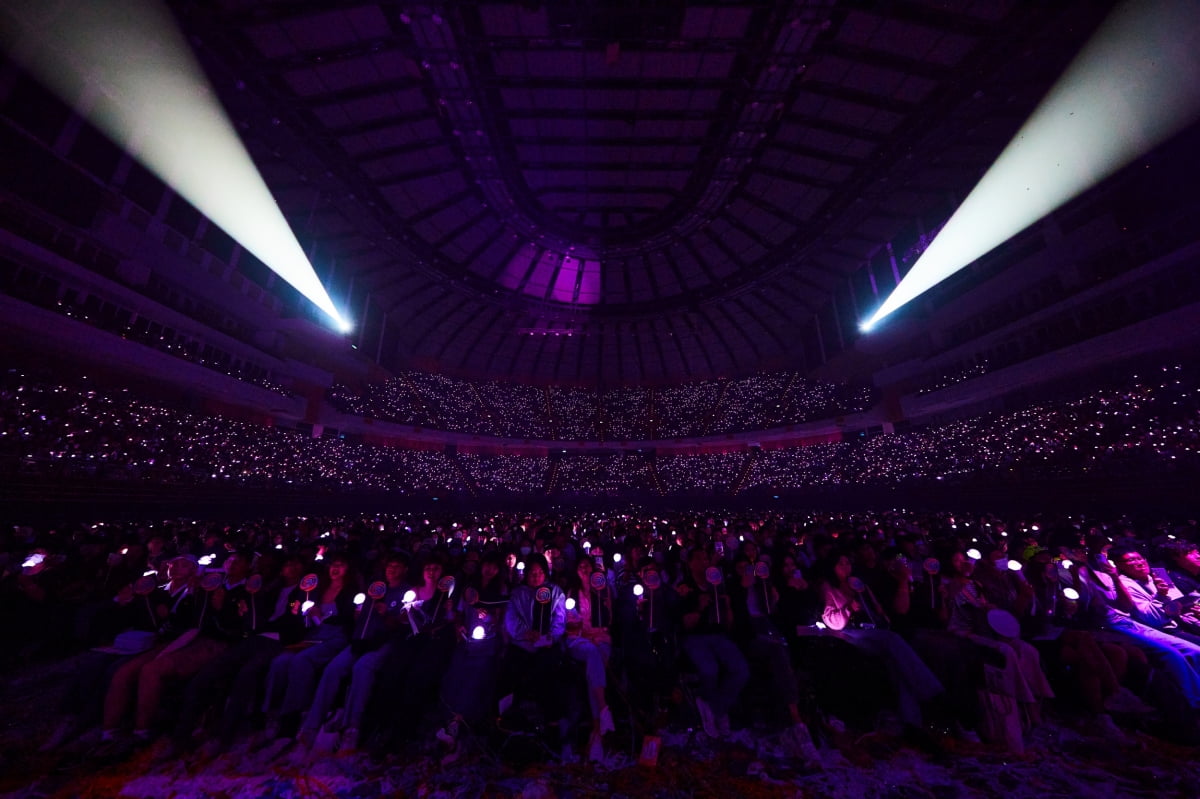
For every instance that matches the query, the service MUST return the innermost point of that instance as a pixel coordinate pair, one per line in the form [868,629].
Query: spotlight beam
[124,65]
[1132,87]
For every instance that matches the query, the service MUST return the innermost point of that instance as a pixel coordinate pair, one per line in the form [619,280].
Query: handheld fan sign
[932,566]
[254,584]
[377,590]
[1003,623]
[212,581]
[446,585]
[598,581]
[309,582]
[762,570]
[542,595]
[652,580]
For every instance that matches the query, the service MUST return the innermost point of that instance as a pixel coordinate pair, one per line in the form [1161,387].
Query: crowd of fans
[55,431]
[381,631]
[1150,425]
[515,410]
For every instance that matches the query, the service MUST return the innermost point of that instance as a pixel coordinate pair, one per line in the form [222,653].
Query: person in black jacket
[328,614]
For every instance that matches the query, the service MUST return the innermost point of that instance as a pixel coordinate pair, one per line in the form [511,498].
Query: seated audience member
[851,610]
[328,615]
[414,661]
[1183,565]
[1103,594]
[648,643]
[589,642]
[249,663]
[706,622]
[764,643]
[177,607]
[468,690]
[376,622]
[1148,596]
[1051,627]
[1023,678]
[536,622]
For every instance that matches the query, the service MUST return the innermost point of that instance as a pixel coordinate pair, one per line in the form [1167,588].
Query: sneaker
[448,734]
[707,721]
[1127,702]
[798,743]
[1106,727]
[596,748]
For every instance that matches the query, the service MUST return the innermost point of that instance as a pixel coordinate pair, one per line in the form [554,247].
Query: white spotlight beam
[124,65]
[1135,84]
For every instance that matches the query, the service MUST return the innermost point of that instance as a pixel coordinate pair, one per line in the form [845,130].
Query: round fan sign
[762,570]
[145,585]
[932,566]
[308,582]
[254,583]
[376,590]
[542,595]
[446,584]
[212,581]
[652,580]
[713,575]
[1003,623]
[856,584]
[470,596]
[599,580]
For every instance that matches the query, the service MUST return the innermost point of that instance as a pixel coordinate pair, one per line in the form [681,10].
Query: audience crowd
[376,632]
[1148,426]
[514,410]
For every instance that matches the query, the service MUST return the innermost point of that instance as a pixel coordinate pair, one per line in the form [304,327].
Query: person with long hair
[850,610]
[589,642]
[328,615]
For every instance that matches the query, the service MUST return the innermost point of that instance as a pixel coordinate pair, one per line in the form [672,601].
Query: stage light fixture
[124,65]
[1132,87]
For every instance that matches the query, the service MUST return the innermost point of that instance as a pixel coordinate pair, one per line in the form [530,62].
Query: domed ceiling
[620,191]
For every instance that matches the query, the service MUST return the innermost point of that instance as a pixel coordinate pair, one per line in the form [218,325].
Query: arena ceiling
[674,189]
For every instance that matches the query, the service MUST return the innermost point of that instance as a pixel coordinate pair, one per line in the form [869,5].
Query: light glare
[1131,88]
[124,65]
